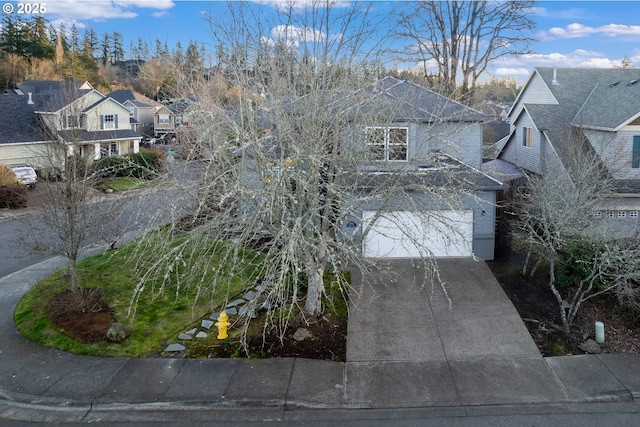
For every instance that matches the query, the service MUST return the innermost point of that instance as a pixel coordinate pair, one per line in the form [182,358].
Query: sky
[568,33]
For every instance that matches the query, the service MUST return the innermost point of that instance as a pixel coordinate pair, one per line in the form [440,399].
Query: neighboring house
[422,140]
[168,119]
[142,109]
[39,112]
[559,107]
[164,122]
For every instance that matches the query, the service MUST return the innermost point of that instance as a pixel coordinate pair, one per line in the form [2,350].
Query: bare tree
[461,38]
[71,215]
[556,212]
[290,165]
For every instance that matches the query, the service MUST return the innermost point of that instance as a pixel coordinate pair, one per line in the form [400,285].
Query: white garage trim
[404,234]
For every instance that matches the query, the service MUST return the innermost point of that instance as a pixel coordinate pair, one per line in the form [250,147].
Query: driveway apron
[447,343]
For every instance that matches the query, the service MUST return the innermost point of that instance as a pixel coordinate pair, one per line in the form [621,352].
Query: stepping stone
[231,310]
[191,331]
[207,324]
[185,337]
[236,303]
[243,310]
[172,348]
[214,316]
[249,295]
[201,334]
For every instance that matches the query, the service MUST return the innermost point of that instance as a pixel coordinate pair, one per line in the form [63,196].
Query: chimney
[555,80]
[30,101]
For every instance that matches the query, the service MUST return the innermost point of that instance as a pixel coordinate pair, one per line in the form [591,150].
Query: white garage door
[403,234]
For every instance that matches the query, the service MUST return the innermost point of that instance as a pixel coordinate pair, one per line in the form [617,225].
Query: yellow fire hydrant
[222,324]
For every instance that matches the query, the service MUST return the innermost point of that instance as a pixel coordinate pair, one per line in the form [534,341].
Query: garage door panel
[403,234]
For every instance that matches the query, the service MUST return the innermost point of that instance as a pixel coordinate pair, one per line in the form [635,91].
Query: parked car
[25,174]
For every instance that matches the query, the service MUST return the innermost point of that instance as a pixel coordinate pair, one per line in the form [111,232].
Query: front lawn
[159,316]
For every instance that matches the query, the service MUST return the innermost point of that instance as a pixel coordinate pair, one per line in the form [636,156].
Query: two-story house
[40,112]
[413,187]
[559,108]
[432,142]
[142,109]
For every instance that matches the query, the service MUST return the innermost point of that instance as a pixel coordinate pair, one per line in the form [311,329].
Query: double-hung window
[71,121]
[527,137]
[387,143]
[163,119]
[109,121]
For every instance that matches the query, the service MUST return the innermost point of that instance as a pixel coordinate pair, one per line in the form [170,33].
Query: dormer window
[388,144]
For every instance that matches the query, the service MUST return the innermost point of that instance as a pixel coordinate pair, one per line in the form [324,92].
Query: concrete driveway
[408,338]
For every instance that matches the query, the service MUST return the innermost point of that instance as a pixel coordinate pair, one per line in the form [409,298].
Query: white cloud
[576,30]
[298,5]
[101,10]
[512,72]
[293,36]
[576,58]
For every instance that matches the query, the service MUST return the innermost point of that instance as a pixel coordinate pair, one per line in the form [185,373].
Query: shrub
[7,176]
[575,261]
[13,196]
[144,164]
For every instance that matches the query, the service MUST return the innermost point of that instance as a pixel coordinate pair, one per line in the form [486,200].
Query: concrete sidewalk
[406,349]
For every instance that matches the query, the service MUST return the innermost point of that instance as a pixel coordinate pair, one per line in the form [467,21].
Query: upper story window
[527,137]
[163,119]
[635,156]
[387,143]
[109,121]
[71,121]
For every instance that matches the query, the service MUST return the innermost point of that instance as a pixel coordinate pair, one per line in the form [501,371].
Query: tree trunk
[315,289]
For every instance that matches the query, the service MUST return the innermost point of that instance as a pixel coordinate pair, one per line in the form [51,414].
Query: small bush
[13,196]
[145,165]
[575,261]
[7,176]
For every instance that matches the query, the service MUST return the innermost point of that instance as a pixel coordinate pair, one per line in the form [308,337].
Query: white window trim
[66,121]
[104,121]
[387,144]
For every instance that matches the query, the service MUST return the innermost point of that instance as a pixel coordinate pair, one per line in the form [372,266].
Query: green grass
[128,183]
[159,316]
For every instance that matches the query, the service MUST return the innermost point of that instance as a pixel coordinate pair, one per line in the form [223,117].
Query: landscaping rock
[590,346]
[118,332]
[207,324]
[172,348]
[301,334]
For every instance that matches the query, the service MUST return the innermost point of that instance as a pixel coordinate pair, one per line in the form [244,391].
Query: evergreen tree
[75,39]
[117,52]
[106,48]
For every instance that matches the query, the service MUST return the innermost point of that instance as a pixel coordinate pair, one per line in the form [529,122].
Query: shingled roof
[401,100]
[18,121]
[587,98]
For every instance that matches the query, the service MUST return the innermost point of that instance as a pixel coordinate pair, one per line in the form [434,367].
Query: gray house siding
[616,151]
[526,157]
[460,140]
